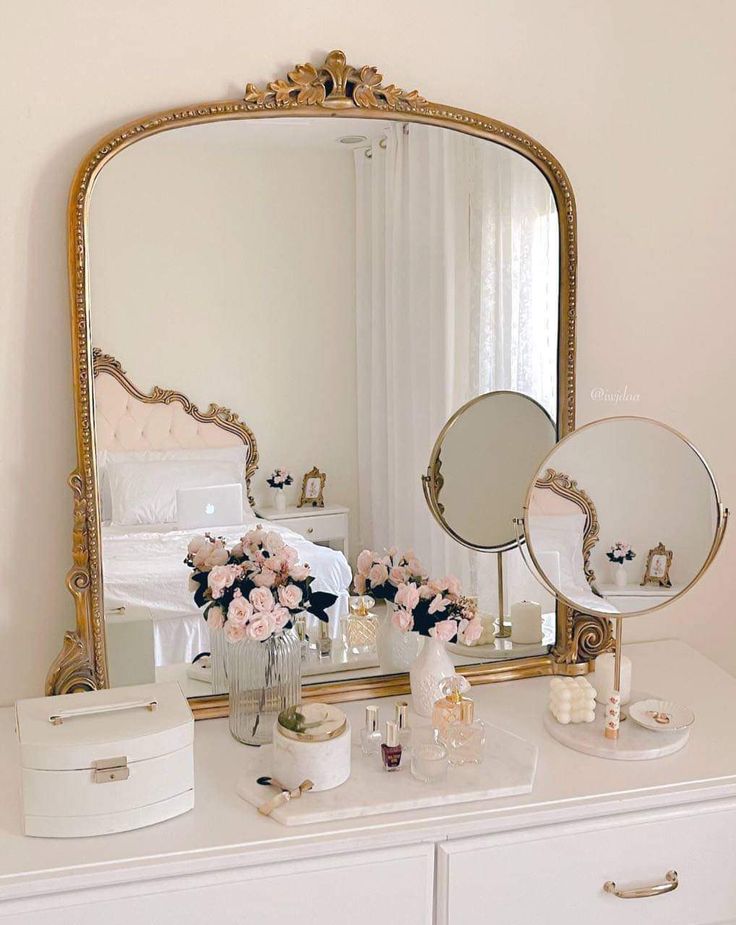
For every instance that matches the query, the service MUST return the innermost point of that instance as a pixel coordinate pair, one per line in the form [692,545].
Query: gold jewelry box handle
[58,718]
[659,889]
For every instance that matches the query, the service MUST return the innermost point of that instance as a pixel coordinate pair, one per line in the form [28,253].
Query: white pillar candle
[603,677]
[526,622]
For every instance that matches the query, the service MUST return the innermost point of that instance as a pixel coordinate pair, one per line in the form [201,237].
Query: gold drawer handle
[658,890]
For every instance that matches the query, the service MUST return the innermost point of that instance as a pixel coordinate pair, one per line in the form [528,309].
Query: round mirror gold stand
[645,477]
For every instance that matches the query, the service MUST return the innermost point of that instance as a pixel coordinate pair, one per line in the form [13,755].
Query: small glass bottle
[324,641]
[465,738]
[402,721]
[370,737]
[447,709]
[391,750]
[360,626]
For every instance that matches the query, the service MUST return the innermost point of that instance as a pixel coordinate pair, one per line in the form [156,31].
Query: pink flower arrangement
[280,478]
[427,606]
[254,589]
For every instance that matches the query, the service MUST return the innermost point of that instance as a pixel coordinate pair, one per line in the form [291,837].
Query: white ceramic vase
[619,575]
[396,650]
[279,500]
[429,669]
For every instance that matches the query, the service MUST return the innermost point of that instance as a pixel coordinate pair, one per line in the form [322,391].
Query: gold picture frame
[331,89]
[313,488]
[657,571]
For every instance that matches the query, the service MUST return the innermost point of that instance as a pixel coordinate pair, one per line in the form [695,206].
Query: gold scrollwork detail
[71,671]
[335,84]
[566,487]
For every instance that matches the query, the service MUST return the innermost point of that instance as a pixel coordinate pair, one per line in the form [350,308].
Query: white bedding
[143,566]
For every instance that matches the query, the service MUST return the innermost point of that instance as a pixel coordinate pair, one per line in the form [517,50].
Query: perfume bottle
[324,642]
[370,737]
[466,737]
[360,626]
[391,750]
[447,709]
[300,625]
[402,721]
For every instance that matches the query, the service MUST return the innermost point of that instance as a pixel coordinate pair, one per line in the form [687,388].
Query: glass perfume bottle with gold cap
[360,626]
[447,709]
[466,737]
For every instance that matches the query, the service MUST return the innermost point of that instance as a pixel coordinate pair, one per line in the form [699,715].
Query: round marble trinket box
[312,741]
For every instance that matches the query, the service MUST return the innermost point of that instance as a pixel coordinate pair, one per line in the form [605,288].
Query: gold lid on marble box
[312,722]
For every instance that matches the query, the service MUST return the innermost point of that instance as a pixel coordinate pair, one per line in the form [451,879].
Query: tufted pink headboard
[128,419]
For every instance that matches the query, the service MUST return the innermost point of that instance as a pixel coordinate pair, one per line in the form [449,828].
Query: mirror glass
[622,516]
[341,286]
[483,462]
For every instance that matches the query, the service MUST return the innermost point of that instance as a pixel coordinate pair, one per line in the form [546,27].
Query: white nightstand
[328,525]
[637,597]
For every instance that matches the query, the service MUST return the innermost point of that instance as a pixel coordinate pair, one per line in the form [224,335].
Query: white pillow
[562,536]
[105,458]
[144,492]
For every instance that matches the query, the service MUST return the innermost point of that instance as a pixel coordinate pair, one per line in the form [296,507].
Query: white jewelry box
[105,761]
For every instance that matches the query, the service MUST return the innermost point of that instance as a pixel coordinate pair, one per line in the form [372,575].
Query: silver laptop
[217,506]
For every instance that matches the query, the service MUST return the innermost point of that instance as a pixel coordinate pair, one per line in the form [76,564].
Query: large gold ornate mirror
[314,277]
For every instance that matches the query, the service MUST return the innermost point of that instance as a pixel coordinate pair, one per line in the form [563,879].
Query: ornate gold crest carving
[335,84]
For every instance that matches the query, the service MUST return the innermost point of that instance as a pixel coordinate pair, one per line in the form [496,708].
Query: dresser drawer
[320,527]
[360,888]
[557,874]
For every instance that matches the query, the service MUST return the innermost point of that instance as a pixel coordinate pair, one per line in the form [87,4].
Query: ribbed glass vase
[265,678]
[218,654]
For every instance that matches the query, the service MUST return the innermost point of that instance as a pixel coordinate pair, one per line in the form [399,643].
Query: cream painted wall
[207,275]
[635,98]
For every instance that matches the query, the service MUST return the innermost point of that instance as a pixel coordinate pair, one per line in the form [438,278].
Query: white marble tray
[508,768]
[634,742]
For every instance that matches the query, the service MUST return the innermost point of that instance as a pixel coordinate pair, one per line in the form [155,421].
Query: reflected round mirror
[481,466]
[622,517]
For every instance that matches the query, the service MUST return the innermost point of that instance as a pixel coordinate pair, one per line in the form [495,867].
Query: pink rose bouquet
[280,478]
[427,606]
[254,589]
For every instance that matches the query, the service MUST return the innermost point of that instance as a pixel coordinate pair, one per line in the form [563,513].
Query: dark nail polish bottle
[391,749]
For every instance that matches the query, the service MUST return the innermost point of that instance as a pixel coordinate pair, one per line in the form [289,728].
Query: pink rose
[253,538]
[274,543]
[290,596]
[365,561]
[221,577]
[425,592]
[378,575]
[393,551]
[473,631]
[299,572]
[445,630]
[280,616]
[359,581]
[237,552]
[276,564]
[259,628]
[403,620]
[215,618]
[234,632]
[398,575]
[239,611]
[414,566]
[438,604]
[210,555]
[196,543]
[453,585]
[261,599]
[289,555]
[264,579]
[407,596]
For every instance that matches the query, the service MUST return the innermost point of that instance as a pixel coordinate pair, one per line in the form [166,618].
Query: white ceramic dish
[661,715]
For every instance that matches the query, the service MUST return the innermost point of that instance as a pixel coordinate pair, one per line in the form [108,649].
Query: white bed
[144,567]
[143,561]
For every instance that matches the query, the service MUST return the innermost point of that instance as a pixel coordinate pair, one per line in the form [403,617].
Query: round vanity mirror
[622,517]
[481,465]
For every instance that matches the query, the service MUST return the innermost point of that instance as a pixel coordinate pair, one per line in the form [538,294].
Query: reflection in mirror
[340,292]
[622,516]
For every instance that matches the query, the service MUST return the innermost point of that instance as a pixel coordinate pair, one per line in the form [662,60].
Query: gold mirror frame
[333,89]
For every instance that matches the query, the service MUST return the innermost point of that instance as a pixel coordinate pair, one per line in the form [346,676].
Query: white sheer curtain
[456,294]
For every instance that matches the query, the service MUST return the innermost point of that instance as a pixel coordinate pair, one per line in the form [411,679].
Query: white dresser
[541,857]
[630,598]
[329,525]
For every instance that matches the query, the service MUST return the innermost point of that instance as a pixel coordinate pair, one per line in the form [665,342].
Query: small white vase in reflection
[620,578]
[279,500]
[427,672]
[396,650]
